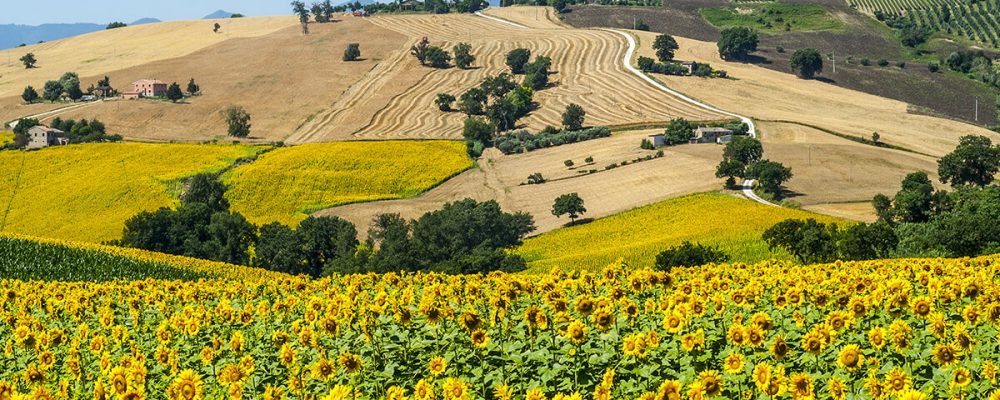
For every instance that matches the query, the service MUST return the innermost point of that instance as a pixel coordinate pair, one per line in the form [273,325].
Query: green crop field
[773,17]
[978,21]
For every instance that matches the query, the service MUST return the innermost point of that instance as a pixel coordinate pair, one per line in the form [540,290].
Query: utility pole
[835,61]
[977,109]
[634,23]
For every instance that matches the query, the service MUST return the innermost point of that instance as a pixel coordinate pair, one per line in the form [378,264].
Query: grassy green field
[86,192]
[287,184]
[773,17]
[733,224]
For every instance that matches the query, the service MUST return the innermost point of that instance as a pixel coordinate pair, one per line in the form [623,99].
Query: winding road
[627,62]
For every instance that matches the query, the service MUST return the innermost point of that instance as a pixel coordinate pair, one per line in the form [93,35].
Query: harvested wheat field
[682,170]
[281,78]
[764,94]
[396,100]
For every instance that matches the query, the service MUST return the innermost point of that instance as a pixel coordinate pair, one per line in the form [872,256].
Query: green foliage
[206,189]
[737,43]
[665,46]
[975,161]
[28,60]
[115,25]
[52,91]
[471,102]
[237,120]
[84,131]
[174,92]
[21,131]
[536,178]
[815,242]
[463,55]
[744,149]
[25,260]
[770,175]
[689,255]
[806,63]
[299,8]
[522,141]
[517,58]
[773,17]
[536,73]
[444,101]
[678,131]
[30,95]
[574,117]
[322,12]
[570,204]
[478,134]
[192,88]
[352,52]
[437,57]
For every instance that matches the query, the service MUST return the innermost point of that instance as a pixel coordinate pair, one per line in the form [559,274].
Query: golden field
[733,224]
[287,184]
[86,192]
[6,137]
[900,329]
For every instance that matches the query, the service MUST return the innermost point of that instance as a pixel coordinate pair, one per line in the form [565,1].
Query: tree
[390,233]
[116,25]
[770,174]
[689,255]
[322,12]
[806,63]
[463,55]
[193,88]
[216,27]
[437,57]
[913,202]
[573,117]
[174,92]
[975,161]
[570,204]
[471,102]
[536,73]
[30,95]
[883,208]
[867,241]
[731,169]
[326,242]
[299,8]
[52,91]
[678,131]
[809,241]
[352,52]
[560,5]
[665,45]
[517,58]
[28,60]
[478,130]
[498,86]
[230,236]
[419,50]
[502,114]
[443,101]
[21,131]
[206,189]
[238,121]
[744,149]
[236,15]
[279,249]
[646,64]
[737,43]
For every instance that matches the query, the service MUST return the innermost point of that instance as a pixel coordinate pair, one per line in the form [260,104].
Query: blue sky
[34,12]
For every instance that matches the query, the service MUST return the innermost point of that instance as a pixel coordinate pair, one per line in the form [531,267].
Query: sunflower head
[944,355]
[850,358]
[960,378]
[350,362]
[437,366]
[479,338]
[734,364]
[710,382]
[455,389]
[897,381]
[576,332]
[801,386]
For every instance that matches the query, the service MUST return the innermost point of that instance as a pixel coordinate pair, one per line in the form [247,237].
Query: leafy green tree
[299,8]
[322,12]
[913,202]
[502,114]
[730,169]
[517,58]
[192,87]
[437,57]
[744,149]
[975,161]
[678,131]
[206,189]
[28,60]
[689,255]
[806,63]
[560,5]
[21,131]
[809,241]
[279,249]
[326,241]
[463,55]
[237,120]
[390,233]
[478,130]
[419,50]
[570,204]
[471,102]
[867,241]
[883,208]
[665,46]
[116,25]
[52,91]
[352,52]
[230,237]
[770,174]
[30,95]
[536,73]
[737,43]
[444,101]
[646,64]
[498,86]
[174,92]
[574,117]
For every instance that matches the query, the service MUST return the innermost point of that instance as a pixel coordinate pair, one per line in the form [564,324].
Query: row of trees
[438,57]
[82,131]
[463,237]
[743,157]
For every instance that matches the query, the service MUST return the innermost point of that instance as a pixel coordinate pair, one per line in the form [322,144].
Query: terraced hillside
[978,21]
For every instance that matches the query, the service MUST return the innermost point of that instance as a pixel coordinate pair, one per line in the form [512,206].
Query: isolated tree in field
[573,117]
[806,63]
[744,149]
[975,161]
[30,95]
[299,9]
[730,169]
[174,92]
[322,12]
[443,101]
[463,55]
[438,57]
[29,60]
[52,91]
[517,58]
[70,83]
[115,25]
[419,50]
[216,27]
[570,204]
[770,174]
[193,88]
[736,43]
[352,52]
[238,121]
[665,46]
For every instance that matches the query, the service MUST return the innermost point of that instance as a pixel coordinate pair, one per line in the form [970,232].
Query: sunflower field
[901,329]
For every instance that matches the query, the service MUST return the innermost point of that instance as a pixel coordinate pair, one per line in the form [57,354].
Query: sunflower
[989,371]
[669,390]
[339,392]
[603,318]
[850,358]
[897,381]
[584,305]
[960,378]
[873,386]
[118,381]
[395,393]
[734,364]
[944,355]
[761,375]
[46,360]
[876,337]
[812,342]
[323,370]
[274,393]
[423,391]
[40,393]
[479,338]
[938,325]
[576,332]
[634,345]
[437,366]
[455,389]
[777,384]
[911,394]
[836,388]
[470,320]
[236,342]
[779,348]
[801,386]
[186,386]
[286,355]
[350,362]
[710,382]
[993,396]
[754,335]
[692,340]
[535,394]
[922,306]
[962,338]
[736,335]
[673,322]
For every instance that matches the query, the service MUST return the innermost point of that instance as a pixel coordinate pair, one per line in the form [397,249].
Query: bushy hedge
[521,141]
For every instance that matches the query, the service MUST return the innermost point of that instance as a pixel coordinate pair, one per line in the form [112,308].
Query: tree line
[465,236]
[82,131]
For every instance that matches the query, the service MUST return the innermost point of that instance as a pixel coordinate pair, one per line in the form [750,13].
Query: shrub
[883,62]
[641,25]
[933,67]
[589,159]
[901,64]
[646,145]
[865,62]
[780,49]
[568,163]
[437,57]
[689,255]
[352,52]
[536,178]
[443,101]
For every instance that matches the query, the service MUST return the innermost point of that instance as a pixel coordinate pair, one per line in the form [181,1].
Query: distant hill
[12,35]
[219,14]
[141,21]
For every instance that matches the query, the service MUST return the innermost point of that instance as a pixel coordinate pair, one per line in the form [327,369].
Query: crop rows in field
[978,21]
[901,329]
